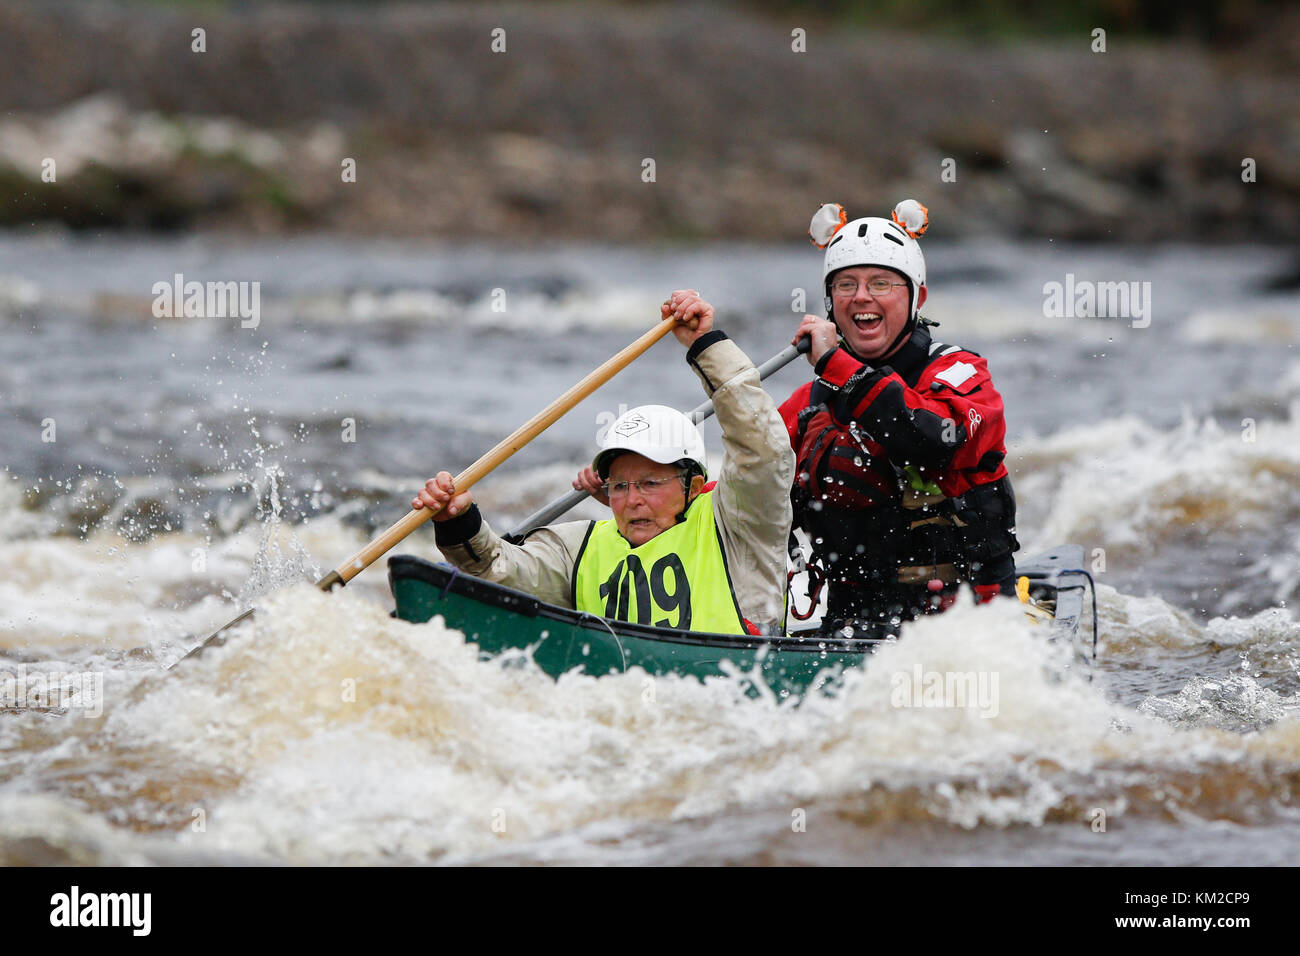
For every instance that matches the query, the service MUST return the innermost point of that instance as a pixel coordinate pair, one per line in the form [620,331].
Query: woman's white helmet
[658,432]
[872,241]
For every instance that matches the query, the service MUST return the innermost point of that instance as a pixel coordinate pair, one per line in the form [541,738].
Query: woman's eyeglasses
[650,487]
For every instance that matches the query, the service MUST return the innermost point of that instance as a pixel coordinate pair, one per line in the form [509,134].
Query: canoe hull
[500,619]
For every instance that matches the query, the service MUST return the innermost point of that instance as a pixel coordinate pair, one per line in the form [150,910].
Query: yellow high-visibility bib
[678,579]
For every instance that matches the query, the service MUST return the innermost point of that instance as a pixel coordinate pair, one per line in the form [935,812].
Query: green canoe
[498,619]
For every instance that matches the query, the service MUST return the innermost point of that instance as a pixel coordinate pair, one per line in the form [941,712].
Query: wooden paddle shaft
[526,432]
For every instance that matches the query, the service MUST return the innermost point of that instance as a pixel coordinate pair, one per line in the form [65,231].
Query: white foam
[999,317]
[443,753]
[18,295]
[44,830]
[1123,483]
[1276,324]
[1233,701]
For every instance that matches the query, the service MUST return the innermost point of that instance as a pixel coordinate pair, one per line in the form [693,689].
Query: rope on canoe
[455,573]
[621,653]
[1093,587]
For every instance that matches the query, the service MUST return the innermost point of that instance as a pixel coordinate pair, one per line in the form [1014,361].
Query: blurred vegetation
[198,188]
[1051,139]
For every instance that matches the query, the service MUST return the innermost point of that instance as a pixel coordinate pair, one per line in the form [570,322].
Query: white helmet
[658,432]
[872,241]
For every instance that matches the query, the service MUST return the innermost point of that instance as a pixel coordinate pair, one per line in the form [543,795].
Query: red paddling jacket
[900,477]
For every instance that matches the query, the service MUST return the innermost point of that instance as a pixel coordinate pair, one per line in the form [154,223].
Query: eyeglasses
[650,487]
[877,286]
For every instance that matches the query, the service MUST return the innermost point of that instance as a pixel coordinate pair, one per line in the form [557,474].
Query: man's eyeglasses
[878,286]
[650,487]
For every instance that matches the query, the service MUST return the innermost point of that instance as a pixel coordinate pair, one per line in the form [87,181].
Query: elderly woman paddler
[677,552]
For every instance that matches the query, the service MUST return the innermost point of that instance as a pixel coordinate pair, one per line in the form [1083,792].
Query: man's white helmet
[658,432]
[872,241]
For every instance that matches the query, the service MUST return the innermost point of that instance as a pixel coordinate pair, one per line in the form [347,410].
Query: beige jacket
[751,505]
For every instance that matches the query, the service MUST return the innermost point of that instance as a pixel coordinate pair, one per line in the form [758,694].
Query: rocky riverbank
[550,137]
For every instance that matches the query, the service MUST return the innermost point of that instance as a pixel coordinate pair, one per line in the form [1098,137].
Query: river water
[161,473]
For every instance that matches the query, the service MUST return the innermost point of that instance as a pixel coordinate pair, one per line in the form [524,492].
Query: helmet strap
[687,476]
[903,336]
